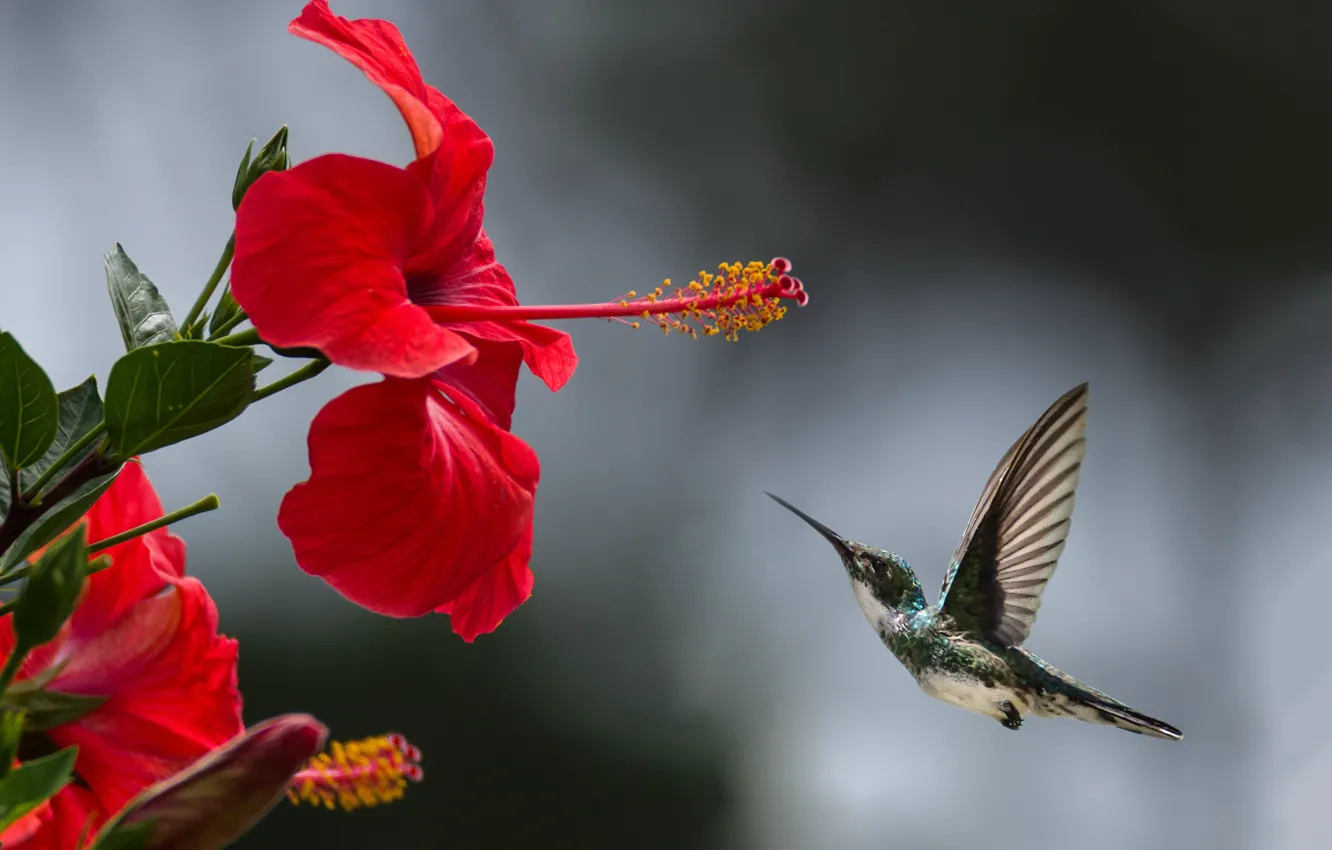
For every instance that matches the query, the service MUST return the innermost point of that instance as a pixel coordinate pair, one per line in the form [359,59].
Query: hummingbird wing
[1017,530]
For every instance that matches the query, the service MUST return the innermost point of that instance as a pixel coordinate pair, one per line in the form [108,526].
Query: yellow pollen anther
[738,298]
[357,774]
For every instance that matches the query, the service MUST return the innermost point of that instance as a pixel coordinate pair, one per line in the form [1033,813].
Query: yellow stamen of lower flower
[358,774]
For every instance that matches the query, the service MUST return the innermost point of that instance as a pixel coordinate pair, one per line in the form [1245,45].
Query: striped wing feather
[1017,530]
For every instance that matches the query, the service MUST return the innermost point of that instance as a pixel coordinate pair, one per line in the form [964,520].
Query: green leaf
[57,519]
[51,591]
[33,783]
[143,313]
[29,410]
[259,363]
[49,709]
[227,309]
[166,393]
[80,411]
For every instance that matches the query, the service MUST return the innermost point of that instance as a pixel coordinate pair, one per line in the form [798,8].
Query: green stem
[22,515]
[12,663]
[69,454]
[305,373]
[96,565]
[249,336]
[226,326]
[207,503]
[8,607]
[202,301]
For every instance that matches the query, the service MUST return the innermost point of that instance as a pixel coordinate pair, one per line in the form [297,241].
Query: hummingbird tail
[1092,709]
[1064,696]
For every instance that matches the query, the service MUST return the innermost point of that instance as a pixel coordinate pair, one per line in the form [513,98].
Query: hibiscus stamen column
[738,298]
[358,774]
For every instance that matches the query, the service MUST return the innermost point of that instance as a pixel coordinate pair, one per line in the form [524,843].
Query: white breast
[971,694]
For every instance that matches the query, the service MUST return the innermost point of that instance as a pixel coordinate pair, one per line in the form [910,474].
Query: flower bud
[218,798]
[271,157]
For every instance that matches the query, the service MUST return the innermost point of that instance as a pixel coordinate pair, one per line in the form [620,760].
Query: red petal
[483,606]
[548,353]
[462,151]
[320,253]
[489,382]
[410,497]
[170,679]
[59,823]
[139,567]
[97,662]
[377,48]
[476,279]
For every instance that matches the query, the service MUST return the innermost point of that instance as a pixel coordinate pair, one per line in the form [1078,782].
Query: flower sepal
[302,352]
[43,709]
[51,591]
[11,732]
[33,783]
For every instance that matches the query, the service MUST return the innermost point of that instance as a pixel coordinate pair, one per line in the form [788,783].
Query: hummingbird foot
[1012,719]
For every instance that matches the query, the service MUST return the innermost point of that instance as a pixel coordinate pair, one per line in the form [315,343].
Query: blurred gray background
[988,202]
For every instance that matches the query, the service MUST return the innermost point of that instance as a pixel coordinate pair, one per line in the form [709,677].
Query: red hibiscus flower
[419,499]
[144,638]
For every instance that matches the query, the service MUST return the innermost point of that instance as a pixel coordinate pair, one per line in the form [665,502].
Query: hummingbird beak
[833,537]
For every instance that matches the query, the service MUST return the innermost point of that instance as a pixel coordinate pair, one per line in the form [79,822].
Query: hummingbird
[967,649]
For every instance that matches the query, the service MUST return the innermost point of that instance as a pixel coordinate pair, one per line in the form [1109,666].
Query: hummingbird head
[884,584]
